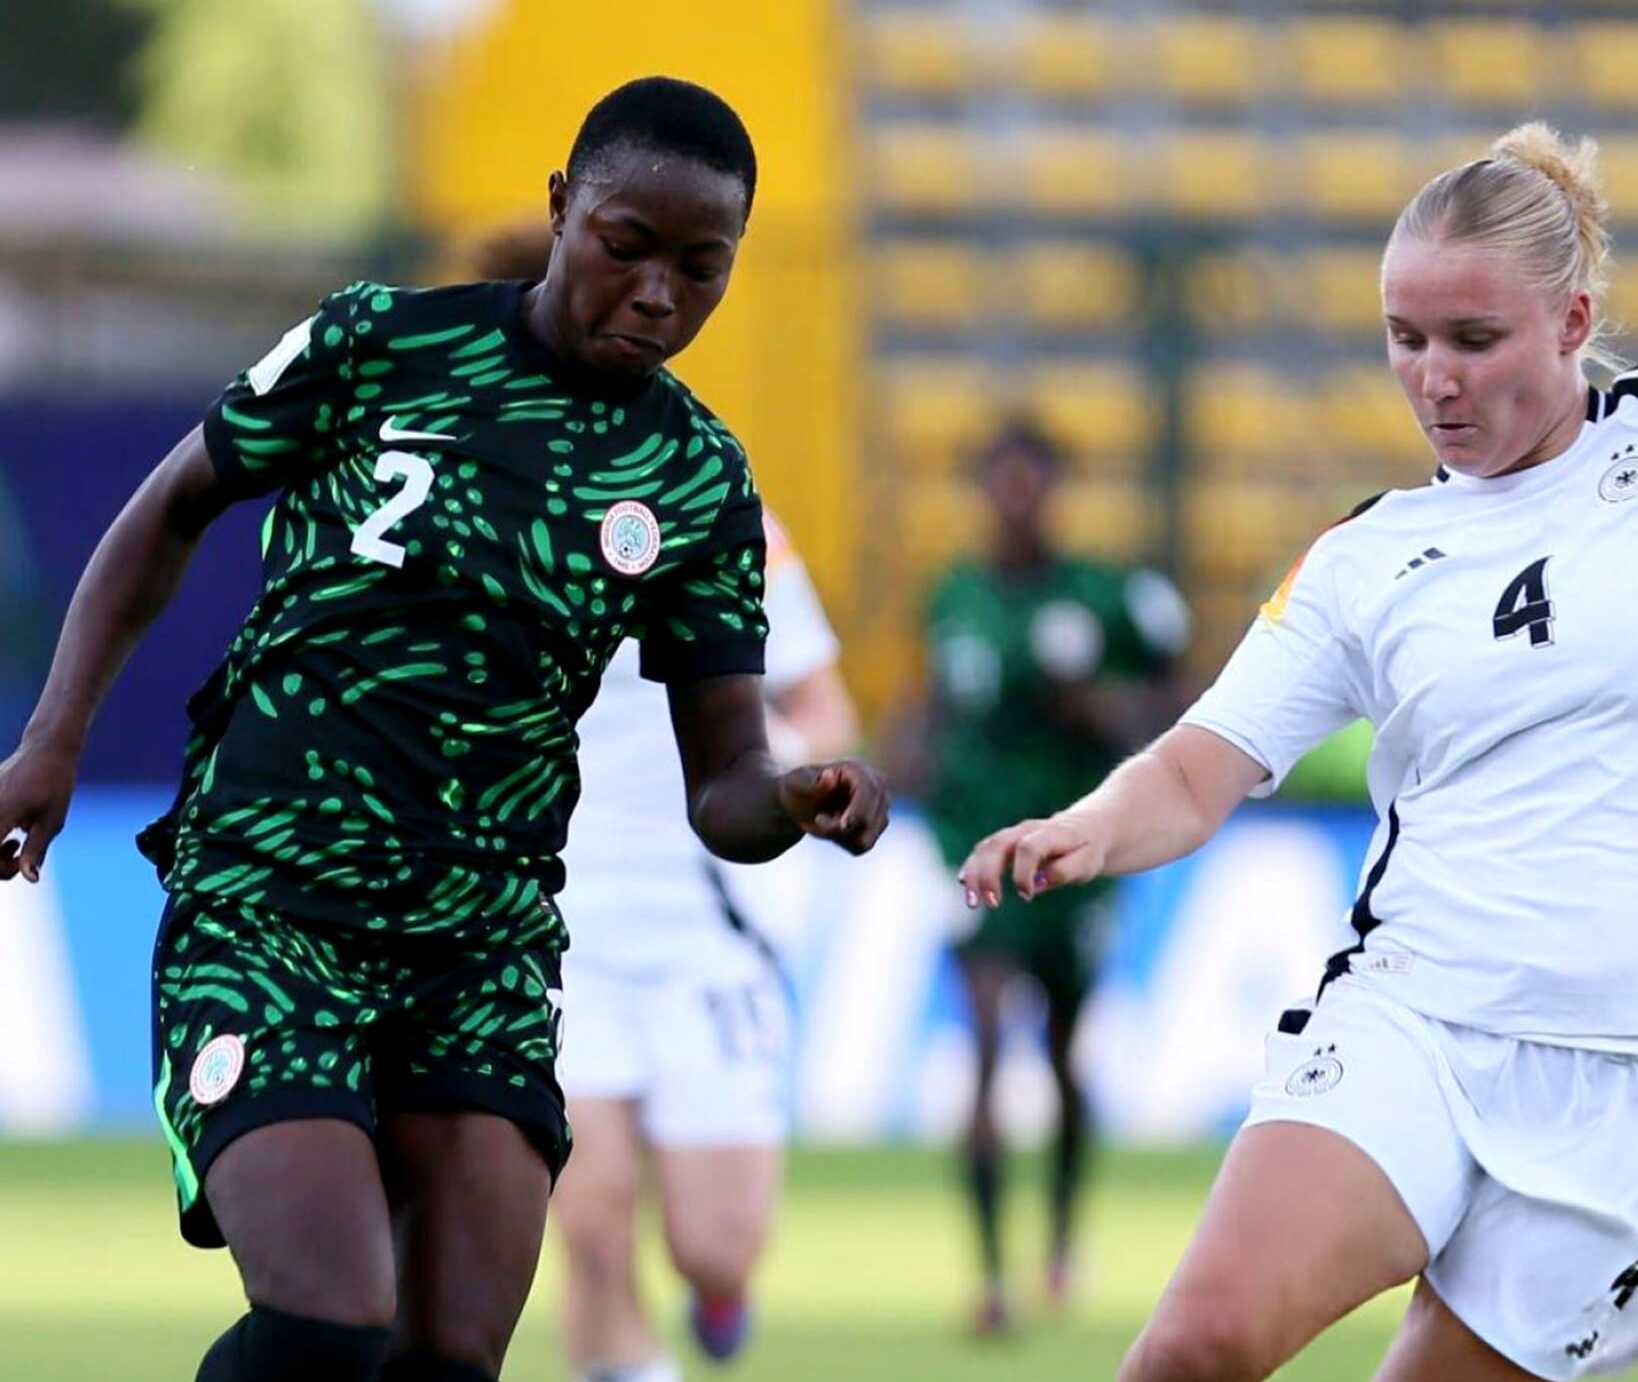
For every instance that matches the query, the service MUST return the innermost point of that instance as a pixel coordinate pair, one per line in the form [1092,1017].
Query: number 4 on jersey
[1524,605]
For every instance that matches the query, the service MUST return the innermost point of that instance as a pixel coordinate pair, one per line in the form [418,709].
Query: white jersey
[1486,628]
[637,874]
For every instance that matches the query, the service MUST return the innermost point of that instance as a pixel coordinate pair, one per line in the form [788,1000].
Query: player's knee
[360,1292]
[716,1253]
[597,1234]
[1207,1337]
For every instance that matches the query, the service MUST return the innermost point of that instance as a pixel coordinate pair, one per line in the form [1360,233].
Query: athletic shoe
[720,1326]
[993,1318]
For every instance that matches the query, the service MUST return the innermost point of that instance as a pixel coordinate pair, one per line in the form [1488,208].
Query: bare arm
[742,805]
[130,578]
[1158,806]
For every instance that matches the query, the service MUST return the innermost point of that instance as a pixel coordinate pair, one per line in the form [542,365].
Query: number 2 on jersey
[1524,605]
[416,473]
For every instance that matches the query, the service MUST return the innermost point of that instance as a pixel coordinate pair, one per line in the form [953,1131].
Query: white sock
[653,1370]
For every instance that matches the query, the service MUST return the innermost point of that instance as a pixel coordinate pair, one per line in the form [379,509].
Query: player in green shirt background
[1043,670]
[481,491]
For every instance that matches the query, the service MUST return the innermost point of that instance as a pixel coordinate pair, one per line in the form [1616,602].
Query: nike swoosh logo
[390,432]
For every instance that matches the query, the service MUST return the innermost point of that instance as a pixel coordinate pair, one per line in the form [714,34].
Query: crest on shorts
[630,537]
[1620,482]
[1321,1072]
[216,1069]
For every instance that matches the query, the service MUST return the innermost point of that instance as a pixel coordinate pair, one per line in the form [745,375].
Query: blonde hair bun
[1573,168]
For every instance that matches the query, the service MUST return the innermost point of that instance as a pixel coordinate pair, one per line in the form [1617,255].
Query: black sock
[984,1181]
[428,1367]
[1068,1153]
[271,1346]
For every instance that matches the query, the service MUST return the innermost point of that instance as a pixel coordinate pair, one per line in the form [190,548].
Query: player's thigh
[303,1210]
[1299,1229]
[596,1202]
[1434,1346]
[263,1084]
[469,1192]
[717,1203]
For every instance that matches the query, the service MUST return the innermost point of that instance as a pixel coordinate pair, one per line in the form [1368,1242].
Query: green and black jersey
[1002,648]
[465,531]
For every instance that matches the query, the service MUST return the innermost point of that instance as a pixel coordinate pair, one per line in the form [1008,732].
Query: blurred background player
[675,999]
[678,1009]
[1042,668]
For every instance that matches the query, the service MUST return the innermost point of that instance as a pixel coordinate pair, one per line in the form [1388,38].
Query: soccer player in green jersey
[481,491]
[1044,670]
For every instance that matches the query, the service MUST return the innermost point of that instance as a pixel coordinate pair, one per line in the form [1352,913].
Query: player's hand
[845,802]
[1035,855]
[35,786]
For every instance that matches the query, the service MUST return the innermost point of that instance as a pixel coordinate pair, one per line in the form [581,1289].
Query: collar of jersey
[1532,481]
[582,382]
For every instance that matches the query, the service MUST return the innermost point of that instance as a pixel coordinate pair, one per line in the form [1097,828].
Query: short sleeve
[1291,682]
[705,617]
[800,639]
[281,417]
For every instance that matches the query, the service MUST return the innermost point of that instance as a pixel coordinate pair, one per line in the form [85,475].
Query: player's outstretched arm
[741,804]
[128,581]
[1157,806]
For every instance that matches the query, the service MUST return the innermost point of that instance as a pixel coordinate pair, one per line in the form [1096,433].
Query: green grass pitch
[869,1276]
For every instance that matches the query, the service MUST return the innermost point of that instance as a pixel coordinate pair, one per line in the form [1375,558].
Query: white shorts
[1517,1160]
[702,1047]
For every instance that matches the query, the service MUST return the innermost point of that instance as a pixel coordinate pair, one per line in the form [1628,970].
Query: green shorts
[1057,938]
[260,1019]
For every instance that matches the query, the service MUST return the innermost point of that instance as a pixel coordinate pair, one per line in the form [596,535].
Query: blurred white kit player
[1480,1042]
[672,998]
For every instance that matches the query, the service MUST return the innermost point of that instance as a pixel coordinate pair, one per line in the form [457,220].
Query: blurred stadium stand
[1161,227]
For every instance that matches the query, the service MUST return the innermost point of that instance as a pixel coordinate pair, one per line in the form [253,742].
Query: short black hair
[1022,435]
[667,115]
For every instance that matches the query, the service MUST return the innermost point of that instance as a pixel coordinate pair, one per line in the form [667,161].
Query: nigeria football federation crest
[630,537]
[216,1069]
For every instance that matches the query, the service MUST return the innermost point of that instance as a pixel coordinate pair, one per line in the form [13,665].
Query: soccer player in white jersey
[1461,1104]
[676,1014]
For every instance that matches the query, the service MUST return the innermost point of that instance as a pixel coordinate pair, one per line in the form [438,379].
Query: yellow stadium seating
[1489,63]
[940,519]
[1065,56]
[1243,413]
[1215,174]
[1099,411]
[929,283]
[1618,161]
[935,412]
[917,52]
[1236,530]
[1109,519]
[1344,293]
[928,168]
[1353,60]
[1365,414]
[1207,59]
[1073,285]
[1352,176]
[1072,170]
[1238,291]
[1602,65]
